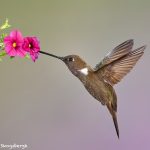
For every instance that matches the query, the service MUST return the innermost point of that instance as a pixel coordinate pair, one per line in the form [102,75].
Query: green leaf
[27,56]
[2,38]
[3,53]
[3,35]
[5,25]
[1,44]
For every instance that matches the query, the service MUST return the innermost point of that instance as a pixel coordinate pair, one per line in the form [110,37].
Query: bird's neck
[84,73]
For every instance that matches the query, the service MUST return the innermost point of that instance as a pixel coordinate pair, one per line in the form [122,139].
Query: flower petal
[12,52]
[13,44]
[16,34]
[7,39]
[21,53]
[31,45]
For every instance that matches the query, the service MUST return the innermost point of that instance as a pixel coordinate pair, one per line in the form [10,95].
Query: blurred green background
[44,106]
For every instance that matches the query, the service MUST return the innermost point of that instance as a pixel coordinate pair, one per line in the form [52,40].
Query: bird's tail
[114,117]
[116,123]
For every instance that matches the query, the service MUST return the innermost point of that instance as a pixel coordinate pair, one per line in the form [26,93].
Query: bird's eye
[70,59]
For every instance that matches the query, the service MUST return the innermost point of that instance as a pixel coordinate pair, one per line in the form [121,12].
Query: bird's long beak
[58,57]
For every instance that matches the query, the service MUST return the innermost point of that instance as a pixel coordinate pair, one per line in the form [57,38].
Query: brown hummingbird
[99,81]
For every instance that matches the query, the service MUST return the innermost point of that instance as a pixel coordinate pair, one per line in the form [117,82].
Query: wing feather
[115,71]
[116,53]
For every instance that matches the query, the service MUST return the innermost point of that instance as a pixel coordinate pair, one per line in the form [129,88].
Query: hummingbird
[100,80]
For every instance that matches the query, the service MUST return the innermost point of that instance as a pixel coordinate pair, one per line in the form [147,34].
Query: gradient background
[44,106]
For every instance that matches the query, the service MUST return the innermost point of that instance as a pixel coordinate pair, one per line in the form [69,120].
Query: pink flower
[31,45]
[13,44]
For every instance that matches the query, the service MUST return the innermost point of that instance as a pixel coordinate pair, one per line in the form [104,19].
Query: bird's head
[73,62]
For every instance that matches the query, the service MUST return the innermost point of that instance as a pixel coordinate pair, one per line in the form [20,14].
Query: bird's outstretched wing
[117,68]
[116,53]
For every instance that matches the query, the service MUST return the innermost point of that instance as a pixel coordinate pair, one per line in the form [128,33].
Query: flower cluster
[17,45]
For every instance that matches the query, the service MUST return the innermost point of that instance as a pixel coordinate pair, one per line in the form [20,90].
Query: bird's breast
[95,87]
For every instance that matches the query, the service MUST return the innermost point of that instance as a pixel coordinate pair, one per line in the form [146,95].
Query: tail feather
[114,117]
